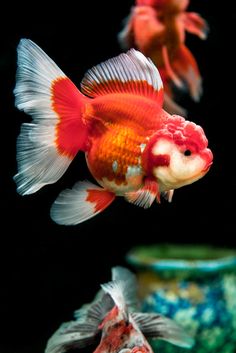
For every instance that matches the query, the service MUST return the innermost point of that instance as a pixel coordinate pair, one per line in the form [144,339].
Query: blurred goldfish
[113,316]
[133,147]
[157,28]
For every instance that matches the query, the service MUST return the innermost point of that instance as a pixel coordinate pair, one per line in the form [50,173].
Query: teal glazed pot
[193,285]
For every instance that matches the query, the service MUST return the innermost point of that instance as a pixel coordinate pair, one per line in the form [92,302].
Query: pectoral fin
[145,196]
[168,195]
[195,24]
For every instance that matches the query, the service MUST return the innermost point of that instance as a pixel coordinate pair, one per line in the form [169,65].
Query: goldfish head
[177,155]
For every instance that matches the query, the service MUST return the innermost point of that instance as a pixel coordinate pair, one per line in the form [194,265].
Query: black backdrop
[47,270]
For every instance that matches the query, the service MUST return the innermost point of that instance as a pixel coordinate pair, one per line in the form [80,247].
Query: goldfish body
[133,147]
[157,28]
[113,316]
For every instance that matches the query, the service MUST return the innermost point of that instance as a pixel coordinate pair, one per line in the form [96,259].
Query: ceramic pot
[193,285]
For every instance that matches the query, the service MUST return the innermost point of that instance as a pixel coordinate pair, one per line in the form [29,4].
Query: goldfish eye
[187,153]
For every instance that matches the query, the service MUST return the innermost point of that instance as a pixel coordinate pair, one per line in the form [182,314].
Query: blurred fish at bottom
[133,148]
[158,29]
[113,318]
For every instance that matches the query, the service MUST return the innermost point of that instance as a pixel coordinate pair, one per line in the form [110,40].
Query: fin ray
[114,289]
[93,313]
[145,196]
[68,337]
[122,289]
[130,287]
[160,327]
[129,72]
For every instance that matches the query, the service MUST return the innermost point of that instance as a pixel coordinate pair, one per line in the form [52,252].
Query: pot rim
[161,257]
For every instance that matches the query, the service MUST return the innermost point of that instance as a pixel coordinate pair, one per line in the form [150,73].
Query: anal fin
[83,201]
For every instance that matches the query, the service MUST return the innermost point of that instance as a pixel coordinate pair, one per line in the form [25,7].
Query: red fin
[100,199]
[145,196]
[83,201]
[195,24]
[71,129]
[185,66]
[169,69]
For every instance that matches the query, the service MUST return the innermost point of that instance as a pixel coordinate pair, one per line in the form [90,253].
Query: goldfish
[158,29]
[133,148]
[113,318]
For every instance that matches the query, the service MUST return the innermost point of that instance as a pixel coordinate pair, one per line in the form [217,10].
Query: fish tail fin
[186,68]
[47,145]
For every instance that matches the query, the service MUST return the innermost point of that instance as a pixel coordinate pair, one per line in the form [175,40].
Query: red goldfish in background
[157,28]
[113,318]
[133,147]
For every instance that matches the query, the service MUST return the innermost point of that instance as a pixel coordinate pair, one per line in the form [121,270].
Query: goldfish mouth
[207,155]
[206,169]
[203,172]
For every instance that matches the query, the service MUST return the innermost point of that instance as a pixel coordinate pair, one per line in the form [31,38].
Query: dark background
[46,270]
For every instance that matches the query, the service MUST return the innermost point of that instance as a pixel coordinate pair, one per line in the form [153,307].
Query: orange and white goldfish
[133,147]
[157,28]
[113,318]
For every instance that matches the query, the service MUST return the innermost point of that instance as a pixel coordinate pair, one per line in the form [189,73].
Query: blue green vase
[193,285]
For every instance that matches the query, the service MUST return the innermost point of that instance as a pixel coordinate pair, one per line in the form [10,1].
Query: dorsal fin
[115,290]
[129,72]
[129,286]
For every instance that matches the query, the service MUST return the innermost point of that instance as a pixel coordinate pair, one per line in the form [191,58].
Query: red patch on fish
[67,102]
[110,316]
[149,159]
[99,198]
[136,87]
